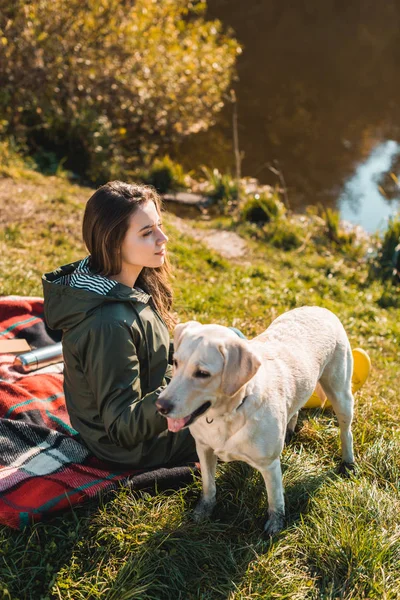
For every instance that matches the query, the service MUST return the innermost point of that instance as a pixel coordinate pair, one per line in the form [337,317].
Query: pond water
[318,99]
[363,200]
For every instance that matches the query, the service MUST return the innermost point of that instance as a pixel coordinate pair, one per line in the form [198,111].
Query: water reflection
[363,198]
[318,91]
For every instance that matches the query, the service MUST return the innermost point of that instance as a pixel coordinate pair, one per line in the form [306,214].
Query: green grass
[342,538]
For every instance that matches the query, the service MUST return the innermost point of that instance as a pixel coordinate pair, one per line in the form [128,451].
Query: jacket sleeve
[112,369]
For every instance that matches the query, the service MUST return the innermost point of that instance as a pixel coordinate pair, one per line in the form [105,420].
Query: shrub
[284,234]
[332,222]
[110,84]
[262,208]
[387,262]
[385,265]
[11,159]
[222,188]
[343,240]
[165,175]
[47,162]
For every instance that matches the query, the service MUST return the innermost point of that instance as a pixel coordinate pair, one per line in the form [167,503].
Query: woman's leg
[166,450]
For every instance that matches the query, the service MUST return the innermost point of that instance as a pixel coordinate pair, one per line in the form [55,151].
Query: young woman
[114,310]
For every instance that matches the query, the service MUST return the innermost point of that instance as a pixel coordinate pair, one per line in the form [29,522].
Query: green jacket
[115,348]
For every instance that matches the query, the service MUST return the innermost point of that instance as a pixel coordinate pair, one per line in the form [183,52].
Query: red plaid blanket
[43,467]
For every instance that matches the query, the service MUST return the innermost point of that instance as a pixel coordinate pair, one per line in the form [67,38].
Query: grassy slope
[342,538]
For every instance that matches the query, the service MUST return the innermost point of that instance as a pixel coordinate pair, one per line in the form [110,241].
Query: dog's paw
[346,469]
[276,521]
[203,510]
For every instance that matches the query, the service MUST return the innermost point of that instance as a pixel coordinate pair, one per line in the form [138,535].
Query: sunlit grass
[342,536]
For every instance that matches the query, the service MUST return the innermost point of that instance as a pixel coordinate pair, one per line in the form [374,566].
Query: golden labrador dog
[240,397]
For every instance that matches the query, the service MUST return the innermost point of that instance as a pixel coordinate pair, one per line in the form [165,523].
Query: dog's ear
[181,329]
[241,364]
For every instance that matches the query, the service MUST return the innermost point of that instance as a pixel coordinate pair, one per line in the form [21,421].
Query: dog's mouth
[178,424]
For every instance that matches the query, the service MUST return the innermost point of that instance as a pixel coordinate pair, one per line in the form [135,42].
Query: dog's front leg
[272,475]
[208,465]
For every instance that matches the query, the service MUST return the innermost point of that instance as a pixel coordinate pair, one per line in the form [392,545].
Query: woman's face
[144,242]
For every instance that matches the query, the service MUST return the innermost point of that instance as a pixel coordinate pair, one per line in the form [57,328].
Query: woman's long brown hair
[105,223]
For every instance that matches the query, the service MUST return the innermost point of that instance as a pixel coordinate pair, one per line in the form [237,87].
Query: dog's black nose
[164,407]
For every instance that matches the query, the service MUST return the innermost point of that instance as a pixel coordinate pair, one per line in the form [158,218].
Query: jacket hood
[72,292]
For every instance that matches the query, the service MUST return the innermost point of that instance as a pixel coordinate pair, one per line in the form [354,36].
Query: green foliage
[266,219]
[332,221]
[110,84]
[47,162]
[12,163]
[390,298]
[386,264]
[222,188]
[165,175]
[333,232]
[262,208]
[284,234]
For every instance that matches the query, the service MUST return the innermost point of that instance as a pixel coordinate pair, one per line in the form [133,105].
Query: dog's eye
[201,374]
[175,363]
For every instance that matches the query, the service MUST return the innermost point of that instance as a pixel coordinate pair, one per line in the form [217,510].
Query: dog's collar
[209,421]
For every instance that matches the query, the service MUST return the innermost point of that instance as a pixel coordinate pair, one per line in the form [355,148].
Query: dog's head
[211,364]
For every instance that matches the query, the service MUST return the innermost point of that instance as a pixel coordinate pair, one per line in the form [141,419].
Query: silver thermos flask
[39,358]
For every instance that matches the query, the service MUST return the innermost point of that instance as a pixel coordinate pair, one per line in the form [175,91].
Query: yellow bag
[361,369]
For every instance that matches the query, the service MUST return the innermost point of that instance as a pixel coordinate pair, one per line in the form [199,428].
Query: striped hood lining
[84,279]
[73,291]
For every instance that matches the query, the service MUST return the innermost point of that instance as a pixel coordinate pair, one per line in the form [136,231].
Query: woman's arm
[112,369]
